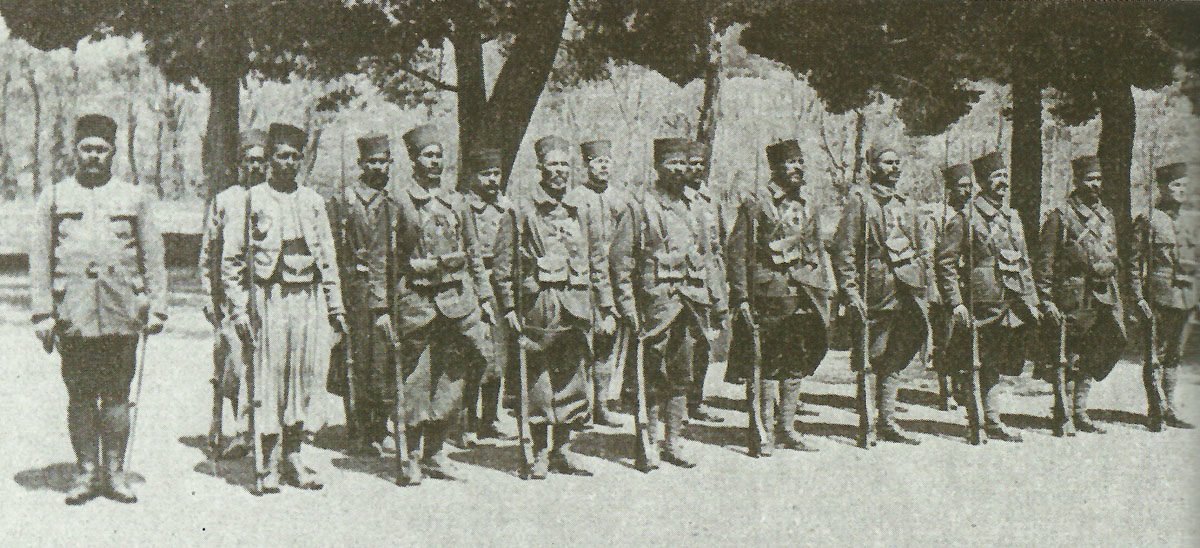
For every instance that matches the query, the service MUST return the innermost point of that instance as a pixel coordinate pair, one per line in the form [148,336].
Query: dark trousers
[97,372]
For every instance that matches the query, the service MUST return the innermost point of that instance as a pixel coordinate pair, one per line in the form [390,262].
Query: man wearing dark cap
[97,282]
[663,267]
[297,291]
[609,201]
[442,297]
[489,206]
[883,223]
[1163,283]
[704,203]
[363,218]
[227,346]
[779,286]
[984,246]
[958,184]
[1076,273]
[553,289]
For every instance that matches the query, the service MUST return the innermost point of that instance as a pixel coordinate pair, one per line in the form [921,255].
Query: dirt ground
[1127,488]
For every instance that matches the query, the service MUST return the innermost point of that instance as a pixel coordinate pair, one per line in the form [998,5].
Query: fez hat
[595,149]
[416,139]
[669,145]
[286,134]
[484,158]
[780,151]
[877,149]
[1083,165]
[988,164]
[1170,172]
[951,174]
[697,148]
[375,143]
[96,125]
[548,143]
[253,138]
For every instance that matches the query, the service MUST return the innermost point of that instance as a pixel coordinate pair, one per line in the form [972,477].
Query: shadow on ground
[236,472]
[56,477]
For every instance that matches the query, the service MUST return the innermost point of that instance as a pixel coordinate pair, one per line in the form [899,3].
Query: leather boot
[82,422]
[562,460]
[1152,379]
[652,460]
[673,453]
[540,434]
[767,404]
[993,426]
[601,416]
[488,419]
[1170,377]
[436,463]
[86,485]
[1062,421]
[789,404]
[272,455]
[115,434]
[1083,387]
[295,473]
[889,429]
[412,463]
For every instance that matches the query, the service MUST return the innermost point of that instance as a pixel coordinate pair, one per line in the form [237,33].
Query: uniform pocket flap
[453,261]
[423,267]
[1010,256]
[298,263]
[552,268]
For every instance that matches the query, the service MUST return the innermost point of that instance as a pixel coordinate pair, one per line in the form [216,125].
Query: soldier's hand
[962,316]
[856,303]
[44,331]
[154,326]
[607,324]
[1144,309]
[338,323]
[489,315]
[746,312]
[241,324]
[513,321]
[1052,311]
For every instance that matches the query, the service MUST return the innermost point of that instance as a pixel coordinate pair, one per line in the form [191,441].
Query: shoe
[541,466]
[1084,424]
[1155,422]
[1000,432]
[677,459]
[488,430]
[560,463]
[895,435]
[412,469]
[440,467]
[794,441]
[85,486]
[299,476]
[119,489]
[238,448]
[468,439]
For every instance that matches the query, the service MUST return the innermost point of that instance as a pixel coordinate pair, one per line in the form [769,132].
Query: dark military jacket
[663,260]
[985,247]
[488,217]
[1076,265]
[605,209]
[441,264]
[364,224]
[935,217]
[776,258]
[96,259]
[896,267]
[703,203]
[1166,275]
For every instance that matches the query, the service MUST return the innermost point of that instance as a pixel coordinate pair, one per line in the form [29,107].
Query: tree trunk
[1117,125]
[1027,155]
[706,129]
[158,160]
[36,147]
[220,150]
[860,129]
[131,141]
[472,90]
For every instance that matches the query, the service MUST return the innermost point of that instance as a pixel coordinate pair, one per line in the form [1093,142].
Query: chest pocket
[696,267]
[784,252]
[1008,265]
[669,266]
[902,256]
[553,269]
[1093,244]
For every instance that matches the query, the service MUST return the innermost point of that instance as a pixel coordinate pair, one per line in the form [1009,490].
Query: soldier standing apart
[700,197]
[1163,281]
[610,202]
[489,207]
[297,290]
[363,219]
[984,246]
[778,278]
[97,281]
[442,298]
[550,265]
[662,262]
[227,346]
[958,183]
[894,305]
[1076,273]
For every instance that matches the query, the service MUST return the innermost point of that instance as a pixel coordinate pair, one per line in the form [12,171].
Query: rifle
[523,429]
[140,363]
[48,344]
[975,413]
[248,348]
[646,458]
[865,379]
[760,433]
[1156,397]
[395,356]
[218,399]
[1063,427]
[350,401]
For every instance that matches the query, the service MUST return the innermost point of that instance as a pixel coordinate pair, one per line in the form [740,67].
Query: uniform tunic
[991,256]
[296,287]
[777,262]
[227,346]
[488,216]
[1076,268]
[896,274]
[665,272]
[438,297]
[553,271]
[937,218]
[1169,283]
[609,203]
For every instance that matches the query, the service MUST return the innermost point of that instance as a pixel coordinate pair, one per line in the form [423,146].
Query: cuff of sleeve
[39,317]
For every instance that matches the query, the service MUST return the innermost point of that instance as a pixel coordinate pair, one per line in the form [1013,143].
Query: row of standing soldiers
[433,299]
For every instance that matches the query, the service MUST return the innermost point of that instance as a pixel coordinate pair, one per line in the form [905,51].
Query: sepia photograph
[599,273]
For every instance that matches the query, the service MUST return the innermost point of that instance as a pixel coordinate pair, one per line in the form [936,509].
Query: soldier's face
[998,184]
[1089,184]
[960,190]
[887,168]
[790,172]
[598,169]
[487,183]
[429,162]
[254,165]
[696,169]
[673,169]
[1175,191]
[375,169]
[556,170]
[94,156]
[285,162]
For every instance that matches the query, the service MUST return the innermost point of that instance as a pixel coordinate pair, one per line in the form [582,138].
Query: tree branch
[427,78]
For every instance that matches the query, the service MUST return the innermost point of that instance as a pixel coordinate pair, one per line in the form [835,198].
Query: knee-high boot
[1170,377]
[789,404]
[83,425]
[114,425]
[1083,388]
[675,413]
[889,429]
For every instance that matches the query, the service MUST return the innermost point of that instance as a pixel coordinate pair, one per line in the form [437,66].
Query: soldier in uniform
[489,206]
[97,281]
[778,279]
[1163,282]
[443,296]
[984,246]
[958,183]
[700,197]
[363,218]
[1076,273]
[227,346]
[552,276]
[894,305]
[610,202]
[663,265]
[297,291]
